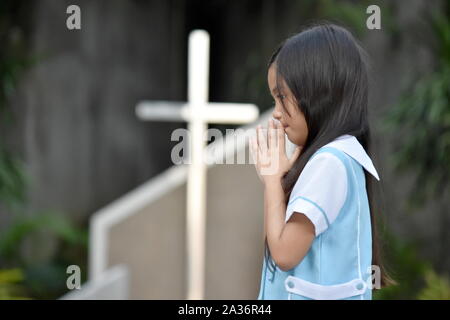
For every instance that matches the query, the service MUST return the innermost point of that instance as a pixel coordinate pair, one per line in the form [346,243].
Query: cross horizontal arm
[161,110]
[231,113]
[212,112]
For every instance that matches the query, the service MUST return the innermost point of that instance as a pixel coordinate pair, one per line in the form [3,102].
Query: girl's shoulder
[329,154]
[346,150]
[321,188]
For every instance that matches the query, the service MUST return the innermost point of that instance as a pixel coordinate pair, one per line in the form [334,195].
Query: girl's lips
[282,124]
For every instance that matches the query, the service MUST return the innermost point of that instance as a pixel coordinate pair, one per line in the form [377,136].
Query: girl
[320,235]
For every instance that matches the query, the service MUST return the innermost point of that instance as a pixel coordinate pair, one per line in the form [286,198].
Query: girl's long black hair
[326,70]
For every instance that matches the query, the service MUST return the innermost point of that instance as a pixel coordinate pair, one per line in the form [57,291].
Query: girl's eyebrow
[275,90]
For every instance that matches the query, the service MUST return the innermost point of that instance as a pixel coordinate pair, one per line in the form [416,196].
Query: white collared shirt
[321,189]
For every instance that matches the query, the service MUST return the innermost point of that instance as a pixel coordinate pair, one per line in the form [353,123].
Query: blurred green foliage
[48,222]
[437,287]
[423,115]
[42,278]
[415,277]
[10,289]
[14,59]
[21,277]
[12,179]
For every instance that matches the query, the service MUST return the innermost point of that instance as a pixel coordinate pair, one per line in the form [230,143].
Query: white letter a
[74,20]
[373,21]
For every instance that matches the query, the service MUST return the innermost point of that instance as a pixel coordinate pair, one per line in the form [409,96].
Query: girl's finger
[254,149]
[262,142]
[272,135]
[254,152]
[281,140]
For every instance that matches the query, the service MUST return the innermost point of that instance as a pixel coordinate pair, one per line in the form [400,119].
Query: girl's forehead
[276,82]
[271,77]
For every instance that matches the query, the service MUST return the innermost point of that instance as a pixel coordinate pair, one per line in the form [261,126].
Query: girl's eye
[281,96]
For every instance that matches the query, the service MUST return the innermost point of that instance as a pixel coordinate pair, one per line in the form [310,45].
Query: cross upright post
[198,113]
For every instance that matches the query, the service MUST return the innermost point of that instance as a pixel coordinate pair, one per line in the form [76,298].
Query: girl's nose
[276,114]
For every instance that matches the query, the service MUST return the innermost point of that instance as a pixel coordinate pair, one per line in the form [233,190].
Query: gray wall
[81,140]
[152,241]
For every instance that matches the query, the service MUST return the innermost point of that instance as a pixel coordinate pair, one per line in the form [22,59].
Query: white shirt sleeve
[320,191]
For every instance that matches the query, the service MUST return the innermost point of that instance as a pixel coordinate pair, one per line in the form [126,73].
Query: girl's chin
[290,139]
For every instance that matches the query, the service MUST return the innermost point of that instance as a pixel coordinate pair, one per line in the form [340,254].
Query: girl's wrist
[272,181]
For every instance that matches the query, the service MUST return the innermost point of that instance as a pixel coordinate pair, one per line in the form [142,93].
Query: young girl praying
[319,226]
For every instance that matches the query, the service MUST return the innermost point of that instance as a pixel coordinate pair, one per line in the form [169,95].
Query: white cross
[198,113]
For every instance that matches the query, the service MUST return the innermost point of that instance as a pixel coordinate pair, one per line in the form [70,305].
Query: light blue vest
[338,264]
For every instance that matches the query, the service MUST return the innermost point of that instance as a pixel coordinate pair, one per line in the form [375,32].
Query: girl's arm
[288,242]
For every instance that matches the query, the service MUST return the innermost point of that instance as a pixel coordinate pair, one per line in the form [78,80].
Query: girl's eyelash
[280,96]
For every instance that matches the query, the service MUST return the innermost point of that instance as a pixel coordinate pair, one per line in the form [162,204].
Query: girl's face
[294,123]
